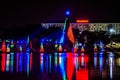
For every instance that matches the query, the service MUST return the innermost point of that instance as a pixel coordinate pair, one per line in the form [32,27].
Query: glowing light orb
[67,13]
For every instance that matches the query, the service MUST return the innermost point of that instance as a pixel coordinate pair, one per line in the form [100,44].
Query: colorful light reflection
[41,62]
[111,64]
[17,61]
[30,61]
[27,63]
[7,62]
[11,61]
[3,61]
[62,65]
[20,66]
[50,57]
[56,61]
[95,61]
[70,66]
[82,72]
[100,62]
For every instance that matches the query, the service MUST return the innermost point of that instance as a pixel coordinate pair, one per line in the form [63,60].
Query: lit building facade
[112,28]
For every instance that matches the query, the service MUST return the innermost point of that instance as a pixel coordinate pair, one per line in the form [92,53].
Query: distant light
[50,40]
[21,42]
[42,40]
[112,30]
[67,13]
[17,41]
[82,21]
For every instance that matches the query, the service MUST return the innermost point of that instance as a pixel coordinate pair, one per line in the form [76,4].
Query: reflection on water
[56,61]
[7,62]
[101,62]
[60,66]
[20,62]
[11,61]
[95,60]
[50,57]
[82,71]
[41,62]
[111,63]
[3,61]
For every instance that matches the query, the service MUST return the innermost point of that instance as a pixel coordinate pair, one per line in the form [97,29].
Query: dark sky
[21,13]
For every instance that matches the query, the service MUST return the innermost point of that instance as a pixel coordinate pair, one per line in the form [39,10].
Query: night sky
[20,13]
